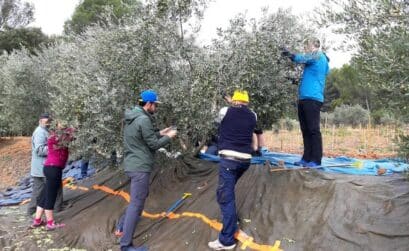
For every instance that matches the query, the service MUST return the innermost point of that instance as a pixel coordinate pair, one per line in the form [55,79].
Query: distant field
[379,142]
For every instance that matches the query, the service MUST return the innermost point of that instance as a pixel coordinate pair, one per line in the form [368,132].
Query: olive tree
[25,92]
[249,53]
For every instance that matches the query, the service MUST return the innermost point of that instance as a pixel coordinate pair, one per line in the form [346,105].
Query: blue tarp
[15,195]
[366,166]
[74,170]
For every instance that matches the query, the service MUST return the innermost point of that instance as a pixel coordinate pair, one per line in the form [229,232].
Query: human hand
[227,98]
[164,131]
[171,133]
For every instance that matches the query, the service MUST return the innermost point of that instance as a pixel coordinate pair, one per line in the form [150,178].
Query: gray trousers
[139,191]
[37,188]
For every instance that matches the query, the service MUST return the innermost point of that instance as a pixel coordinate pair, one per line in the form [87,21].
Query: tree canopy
[29,38]
[88,79]
[15,14]
[91,76]
[90,12]
[379,32]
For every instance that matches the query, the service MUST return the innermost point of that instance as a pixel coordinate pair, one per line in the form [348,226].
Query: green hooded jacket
[141,140]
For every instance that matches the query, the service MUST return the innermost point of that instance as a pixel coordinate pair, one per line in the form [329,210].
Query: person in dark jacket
[311,98]
[235,148]
[141,140]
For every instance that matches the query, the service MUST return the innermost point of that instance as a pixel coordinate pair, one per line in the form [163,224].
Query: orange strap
[241,236]
[67,181]
[25,202]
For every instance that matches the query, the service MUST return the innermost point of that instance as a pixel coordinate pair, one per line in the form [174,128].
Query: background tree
[25,92]
[90,12]
[15,14]
[29,38]
[379,30]
[351,91]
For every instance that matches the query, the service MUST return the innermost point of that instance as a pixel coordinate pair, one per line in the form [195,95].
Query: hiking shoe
[53,226]
[37,223]
[301,163]
[216,245]
[312,164]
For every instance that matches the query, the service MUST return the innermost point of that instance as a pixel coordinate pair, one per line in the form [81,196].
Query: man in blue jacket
[310,99]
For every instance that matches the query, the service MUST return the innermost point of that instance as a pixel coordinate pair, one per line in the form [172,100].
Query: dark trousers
[309,116]
[53,178]
[84,168]
[138,192]
[230,172]
[37,191]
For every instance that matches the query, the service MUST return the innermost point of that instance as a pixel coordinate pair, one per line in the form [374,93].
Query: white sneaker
[216,245]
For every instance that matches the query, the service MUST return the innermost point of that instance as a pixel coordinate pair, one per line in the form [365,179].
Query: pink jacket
[58,155]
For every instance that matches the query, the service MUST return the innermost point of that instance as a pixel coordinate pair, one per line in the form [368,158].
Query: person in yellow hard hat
[235,148]
[258,134]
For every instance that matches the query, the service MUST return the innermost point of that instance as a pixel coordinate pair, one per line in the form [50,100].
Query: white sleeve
[222,113]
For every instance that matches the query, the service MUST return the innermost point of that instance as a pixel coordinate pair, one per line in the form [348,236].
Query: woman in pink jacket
[56,159]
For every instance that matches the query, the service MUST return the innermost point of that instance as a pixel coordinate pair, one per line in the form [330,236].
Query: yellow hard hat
[240,95]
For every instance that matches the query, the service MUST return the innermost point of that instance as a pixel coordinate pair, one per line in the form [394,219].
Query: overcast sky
[50,15]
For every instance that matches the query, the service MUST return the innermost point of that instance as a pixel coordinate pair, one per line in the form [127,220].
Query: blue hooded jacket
[316,70]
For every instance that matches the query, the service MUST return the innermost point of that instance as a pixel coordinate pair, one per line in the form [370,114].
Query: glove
[285,52]
[293,81]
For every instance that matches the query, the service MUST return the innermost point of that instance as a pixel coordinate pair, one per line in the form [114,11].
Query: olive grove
[90,77]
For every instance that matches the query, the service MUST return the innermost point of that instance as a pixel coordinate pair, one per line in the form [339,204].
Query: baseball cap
[45,115]
[149,96]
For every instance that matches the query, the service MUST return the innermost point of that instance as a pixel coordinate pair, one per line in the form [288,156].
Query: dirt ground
[15,157]
[16,235]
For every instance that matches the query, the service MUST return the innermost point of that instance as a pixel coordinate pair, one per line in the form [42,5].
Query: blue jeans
[138,192]
[230,172]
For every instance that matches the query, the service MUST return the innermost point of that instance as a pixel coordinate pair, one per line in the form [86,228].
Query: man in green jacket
[141,140]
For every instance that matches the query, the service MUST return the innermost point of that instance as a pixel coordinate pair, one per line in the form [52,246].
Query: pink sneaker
[53,226]
[37,223]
